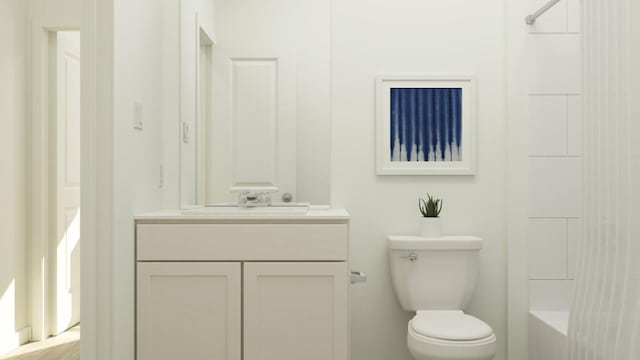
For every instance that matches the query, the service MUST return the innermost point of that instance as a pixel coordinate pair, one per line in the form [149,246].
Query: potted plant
[430,210]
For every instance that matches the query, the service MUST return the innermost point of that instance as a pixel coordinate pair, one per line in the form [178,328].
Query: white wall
[138,154]
[171,103]
[555,150]
[635,75]
[404,37]
[13,171]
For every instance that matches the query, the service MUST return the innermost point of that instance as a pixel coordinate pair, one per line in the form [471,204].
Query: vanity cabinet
[189,311]
[242,290]
[295,311]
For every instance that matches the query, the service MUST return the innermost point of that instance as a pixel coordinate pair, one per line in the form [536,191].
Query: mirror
[254,99]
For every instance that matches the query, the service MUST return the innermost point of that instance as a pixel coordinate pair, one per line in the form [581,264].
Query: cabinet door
[188,311]
[296,311]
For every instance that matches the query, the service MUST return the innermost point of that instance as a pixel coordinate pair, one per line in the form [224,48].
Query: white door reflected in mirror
[255,96]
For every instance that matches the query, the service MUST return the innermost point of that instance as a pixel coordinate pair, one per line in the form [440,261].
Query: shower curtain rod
[531,19]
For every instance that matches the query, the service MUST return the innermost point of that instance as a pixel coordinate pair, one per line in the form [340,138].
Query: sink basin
[233,209]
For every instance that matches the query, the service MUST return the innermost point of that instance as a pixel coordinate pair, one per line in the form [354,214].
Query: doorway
[205,96]
[63,248]
[55,183]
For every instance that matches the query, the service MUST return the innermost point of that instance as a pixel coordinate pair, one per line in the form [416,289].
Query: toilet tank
[434,273]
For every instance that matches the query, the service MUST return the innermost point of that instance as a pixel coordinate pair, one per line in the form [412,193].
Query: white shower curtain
[605,313]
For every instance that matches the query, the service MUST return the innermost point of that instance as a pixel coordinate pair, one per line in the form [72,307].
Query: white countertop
[315,213]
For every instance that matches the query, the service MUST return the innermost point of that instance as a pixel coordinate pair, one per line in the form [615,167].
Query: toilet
[435,278]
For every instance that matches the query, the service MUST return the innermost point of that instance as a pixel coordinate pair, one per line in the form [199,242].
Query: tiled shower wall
[555,148]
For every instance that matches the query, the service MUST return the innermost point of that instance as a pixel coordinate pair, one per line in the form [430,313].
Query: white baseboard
[9,342]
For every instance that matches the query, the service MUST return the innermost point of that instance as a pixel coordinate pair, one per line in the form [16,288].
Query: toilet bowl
[449,335]
[436,277]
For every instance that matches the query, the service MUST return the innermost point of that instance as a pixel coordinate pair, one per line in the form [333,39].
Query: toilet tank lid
[452,242]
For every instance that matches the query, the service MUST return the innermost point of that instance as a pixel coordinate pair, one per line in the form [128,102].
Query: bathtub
[548,335]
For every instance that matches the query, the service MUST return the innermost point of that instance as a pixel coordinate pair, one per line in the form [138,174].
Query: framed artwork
[426,125]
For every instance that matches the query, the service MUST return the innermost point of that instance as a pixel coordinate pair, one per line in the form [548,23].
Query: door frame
[95,19]
[204,113]
[54,166]
[44,22]
[97,37]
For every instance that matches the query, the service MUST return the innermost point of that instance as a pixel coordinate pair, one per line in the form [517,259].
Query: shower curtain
[605,314]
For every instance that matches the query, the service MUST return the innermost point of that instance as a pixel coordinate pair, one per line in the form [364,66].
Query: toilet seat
[449,325]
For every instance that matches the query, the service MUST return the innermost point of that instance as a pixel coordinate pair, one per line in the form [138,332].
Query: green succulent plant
[430,207]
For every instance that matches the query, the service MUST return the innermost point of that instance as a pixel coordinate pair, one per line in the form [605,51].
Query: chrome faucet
[254,199]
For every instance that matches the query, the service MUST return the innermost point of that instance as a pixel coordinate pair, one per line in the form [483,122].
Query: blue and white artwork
[426,124]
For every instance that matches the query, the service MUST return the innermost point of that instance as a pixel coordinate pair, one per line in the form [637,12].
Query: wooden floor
[65,346]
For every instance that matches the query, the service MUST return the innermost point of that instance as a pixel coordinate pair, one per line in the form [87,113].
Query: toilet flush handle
[358,277]
[412,257]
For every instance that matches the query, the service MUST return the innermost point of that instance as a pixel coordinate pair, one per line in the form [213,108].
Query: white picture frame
[417,111]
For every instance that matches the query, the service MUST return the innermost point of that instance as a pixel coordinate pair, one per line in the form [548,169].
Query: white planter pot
[430,227]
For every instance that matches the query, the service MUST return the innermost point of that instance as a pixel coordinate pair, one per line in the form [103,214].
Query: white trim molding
[11,341]
[517,179]
[46,16]
[97,178]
